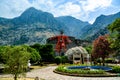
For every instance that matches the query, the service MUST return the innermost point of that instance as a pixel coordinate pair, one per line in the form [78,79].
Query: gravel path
[48,74]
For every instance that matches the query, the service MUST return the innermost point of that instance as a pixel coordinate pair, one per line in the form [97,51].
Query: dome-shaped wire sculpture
[76,50]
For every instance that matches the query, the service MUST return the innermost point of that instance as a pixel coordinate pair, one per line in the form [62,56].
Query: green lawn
[18,79]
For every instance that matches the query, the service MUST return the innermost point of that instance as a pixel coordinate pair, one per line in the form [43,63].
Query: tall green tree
[35,57]
[16,59]
[46,52]
[36,46]
[101,48]
[34,54]
[115,34]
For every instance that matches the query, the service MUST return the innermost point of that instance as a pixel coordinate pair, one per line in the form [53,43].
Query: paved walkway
[48,74]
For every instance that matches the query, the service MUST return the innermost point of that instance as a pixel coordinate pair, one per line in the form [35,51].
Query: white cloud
[91,5]
[12,8]
[67,9]
[81,9]
[76,8]
[42,4]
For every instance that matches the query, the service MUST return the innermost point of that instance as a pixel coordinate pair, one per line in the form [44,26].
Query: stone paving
[48,74]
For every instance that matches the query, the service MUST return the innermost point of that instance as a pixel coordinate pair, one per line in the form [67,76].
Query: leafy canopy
[101,47]
[46,52]
[16,59]
[115,34]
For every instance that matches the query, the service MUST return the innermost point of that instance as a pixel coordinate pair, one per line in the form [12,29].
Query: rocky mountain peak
[32,15]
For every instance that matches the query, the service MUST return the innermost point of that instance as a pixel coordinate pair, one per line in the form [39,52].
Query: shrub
[109,60]
[99,60]
[64,59]
[116,69]
[58,60]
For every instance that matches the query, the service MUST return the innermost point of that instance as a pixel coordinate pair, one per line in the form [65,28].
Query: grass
[37,67]
[18,79]
[40,67]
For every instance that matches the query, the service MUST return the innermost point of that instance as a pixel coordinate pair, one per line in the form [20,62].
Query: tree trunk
[103,60]
[15,77]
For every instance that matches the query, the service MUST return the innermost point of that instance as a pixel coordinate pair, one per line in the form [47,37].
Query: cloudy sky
[85,10]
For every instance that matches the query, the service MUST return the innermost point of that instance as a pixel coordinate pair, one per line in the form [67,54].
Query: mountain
[74,25]
[32,26]
[35,26]
[97,34]
[98,28]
